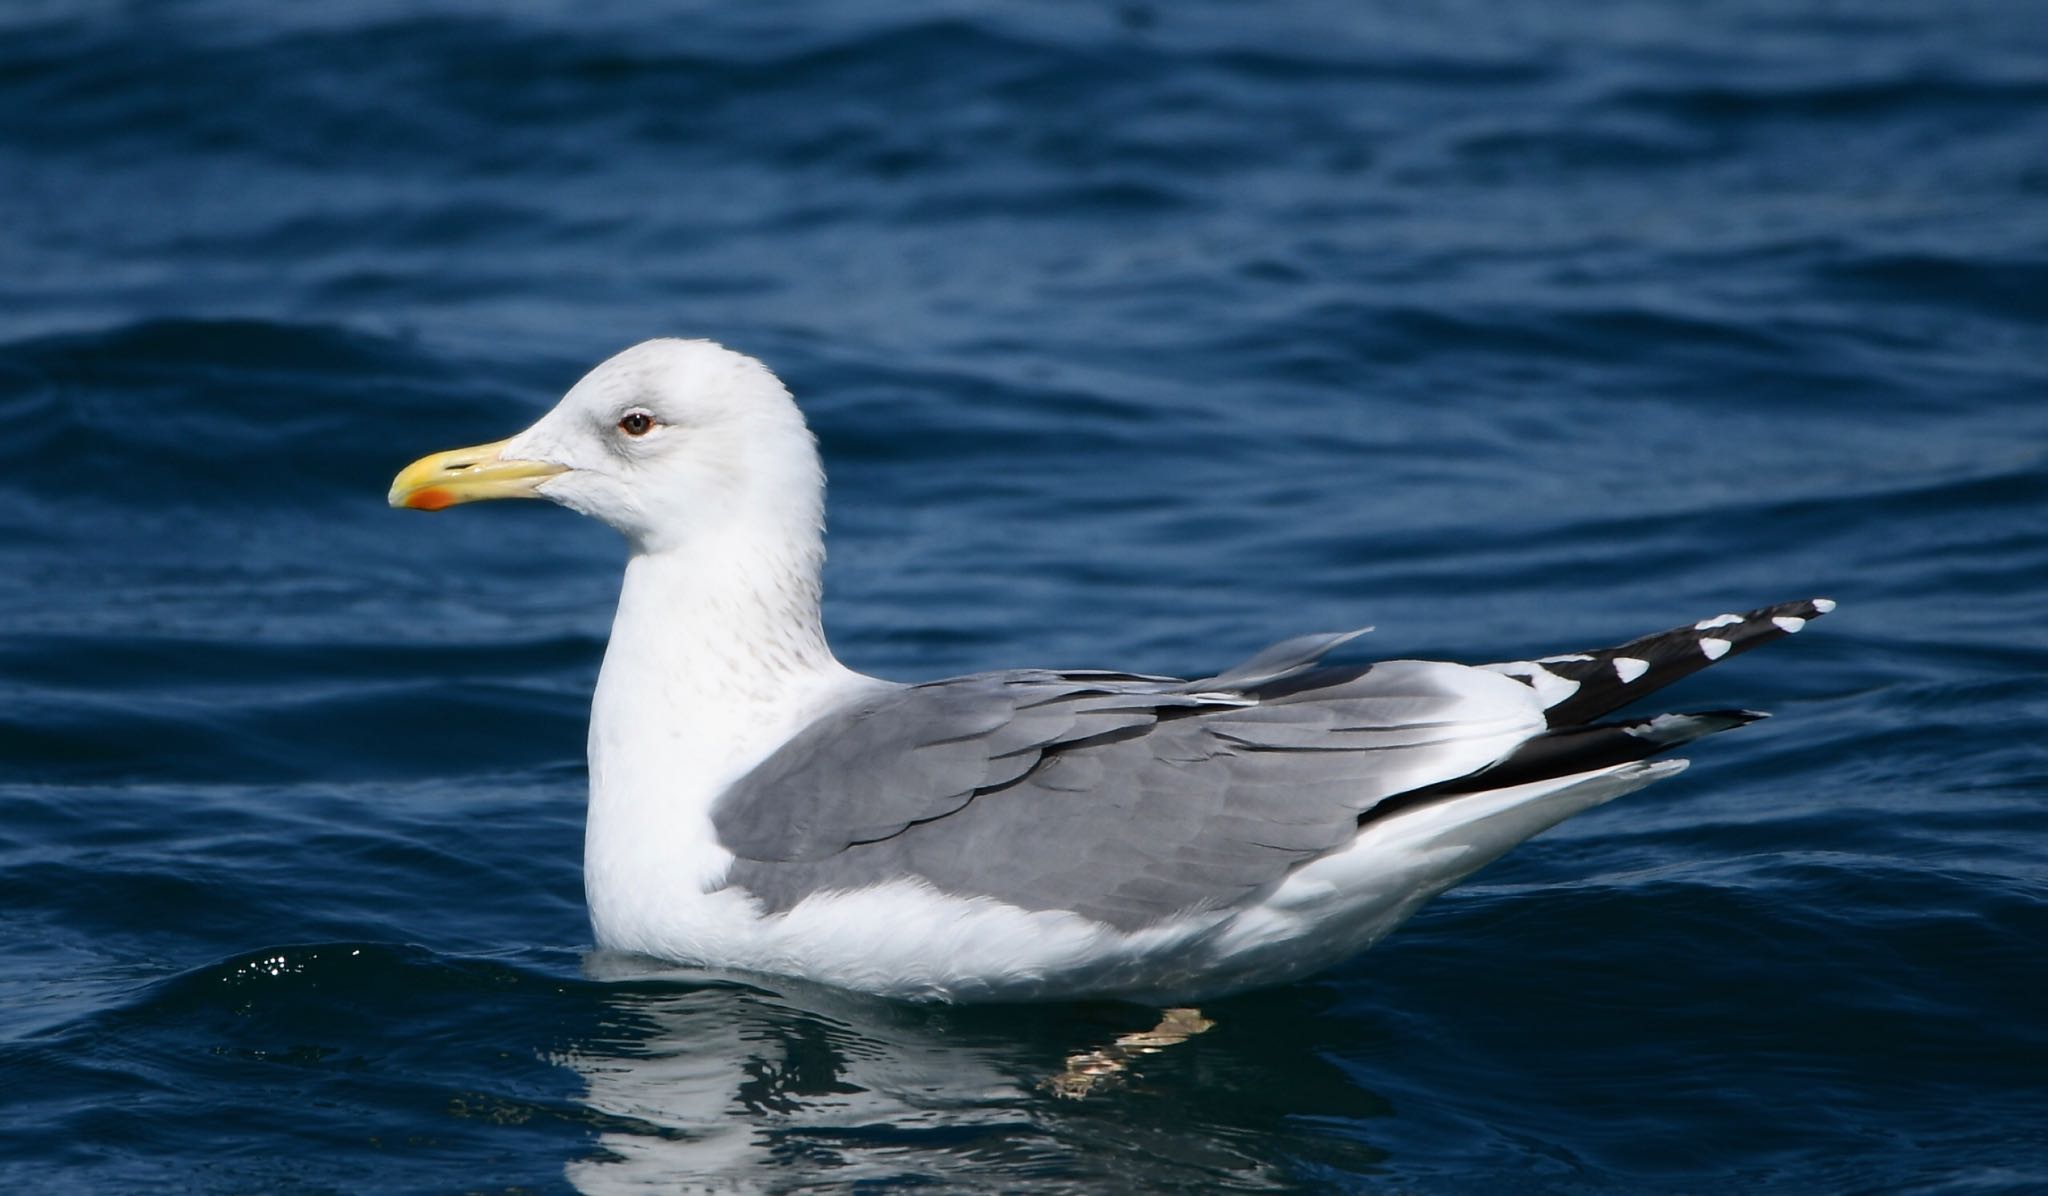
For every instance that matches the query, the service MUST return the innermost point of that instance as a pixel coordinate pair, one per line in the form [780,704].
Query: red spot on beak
[433,498]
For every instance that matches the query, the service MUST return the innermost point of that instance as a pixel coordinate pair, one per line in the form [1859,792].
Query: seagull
[1033,834]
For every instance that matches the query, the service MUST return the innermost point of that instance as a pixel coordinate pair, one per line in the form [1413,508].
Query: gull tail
[1582,686]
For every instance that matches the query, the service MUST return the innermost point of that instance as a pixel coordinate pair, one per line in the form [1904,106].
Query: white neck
[717,655]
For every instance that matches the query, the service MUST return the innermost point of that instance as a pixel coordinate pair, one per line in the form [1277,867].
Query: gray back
[1125,798]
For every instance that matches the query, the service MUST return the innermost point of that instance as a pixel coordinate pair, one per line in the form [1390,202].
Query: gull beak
[468,475]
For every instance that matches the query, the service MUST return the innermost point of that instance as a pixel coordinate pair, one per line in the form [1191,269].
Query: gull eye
[636,423]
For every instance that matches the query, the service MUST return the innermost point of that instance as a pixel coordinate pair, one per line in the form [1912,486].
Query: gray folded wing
[1127,799]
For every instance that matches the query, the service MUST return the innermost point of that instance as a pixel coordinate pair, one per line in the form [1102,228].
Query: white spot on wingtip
[1823,605]
[1716,621]
[1788,624]
[1628,668]
[1664,727]
[1714,649]
[1550,688]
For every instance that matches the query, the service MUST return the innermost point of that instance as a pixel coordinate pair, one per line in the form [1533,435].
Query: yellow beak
[468,475]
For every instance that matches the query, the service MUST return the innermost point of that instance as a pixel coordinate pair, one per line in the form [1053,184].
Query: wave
[223,413]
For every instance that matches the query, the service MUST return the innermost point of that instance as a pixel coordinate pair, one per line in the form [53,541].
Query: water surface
[1135,337]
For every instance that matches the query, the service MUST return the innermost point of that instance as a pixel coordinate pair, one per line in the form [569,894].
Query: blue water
[1137,337]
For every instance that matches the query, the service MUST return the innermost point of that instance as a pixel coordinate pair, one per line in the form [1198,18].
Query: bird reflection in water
[702,1081]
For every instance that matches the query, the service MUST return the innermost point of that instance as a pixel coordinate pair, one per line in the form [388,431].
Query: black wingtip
[1605,679]
[1574,750]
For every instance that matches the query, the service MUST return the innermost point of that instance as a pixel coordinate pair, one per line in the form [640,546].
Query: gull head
[670,442]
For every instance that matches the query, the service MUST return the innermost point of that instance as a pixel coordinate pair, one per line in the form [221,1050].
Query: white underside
[904,939]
